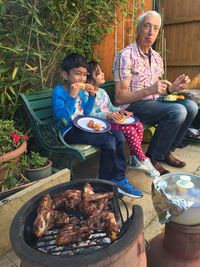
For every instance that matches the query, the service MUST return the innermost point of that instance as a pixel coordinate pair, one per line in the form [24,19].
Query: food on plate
[171,97]
[90,123]
[180,97]
[76,214]
[121,120]
[96,126]
[174,97]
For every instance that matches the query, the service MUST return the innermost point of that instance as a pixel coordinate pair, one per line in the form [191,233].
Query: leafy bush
[34,160]
[36,35]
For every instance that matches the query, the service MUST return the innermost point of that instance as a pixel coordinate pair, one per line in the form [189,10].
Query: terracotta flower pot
[10,156]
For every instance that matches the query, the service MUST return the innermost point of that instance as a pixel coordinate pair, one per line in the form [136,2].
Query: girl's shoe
[146,165]
[135,163]
[150,168]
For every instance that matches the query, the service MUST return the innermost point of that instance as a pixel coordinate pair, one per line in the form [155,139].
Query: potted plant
[36,166]
[12,145]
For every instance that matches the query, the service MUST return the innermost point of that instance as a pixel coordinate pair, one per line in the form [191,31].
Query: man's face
[77,75]
[149,30]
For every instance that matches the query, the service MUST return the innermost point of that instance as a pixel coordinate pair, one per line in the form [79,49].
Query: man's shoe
[125,188]
[158,166]
[172,161]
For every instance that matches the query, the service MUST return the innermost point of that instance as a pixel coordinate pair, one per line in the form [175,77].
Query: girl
[134,132]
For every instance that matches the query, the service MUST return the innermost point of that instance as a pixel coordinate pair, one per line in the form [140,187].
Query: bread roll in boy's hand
[81,86]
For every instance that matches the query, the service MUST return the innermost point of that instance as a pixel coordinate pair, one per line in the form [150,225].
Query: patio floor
[152,227]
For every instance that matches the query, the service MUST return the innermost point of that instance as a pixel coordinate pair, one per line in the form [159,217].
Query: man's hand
[160,87]
[179,84]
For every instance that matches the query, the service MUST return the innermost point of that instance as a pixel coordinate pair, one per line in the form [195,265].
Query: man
[137,73]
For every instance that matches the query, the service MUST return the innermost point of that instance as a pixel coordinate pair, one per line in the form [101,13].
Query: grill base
[128,250]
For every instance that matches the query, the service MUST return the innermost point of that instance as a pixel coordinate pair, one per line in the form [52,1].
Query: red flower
[25,136]
[16,138]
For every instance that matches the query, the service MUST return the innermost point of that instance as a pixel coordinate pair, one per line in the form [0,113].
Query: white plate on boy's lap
[82,123]
[129,120]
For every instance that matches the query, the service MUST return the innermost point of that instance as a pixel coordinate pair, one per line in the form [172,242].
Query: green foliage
[9,183]
[36,35]
[34,160]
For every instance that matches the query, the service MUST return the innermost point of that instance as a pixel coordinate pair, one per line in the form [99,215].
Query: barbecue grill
[97,250]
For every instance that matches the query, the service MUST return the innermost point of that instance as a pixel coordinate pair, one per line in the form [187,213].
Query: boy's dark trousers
[112,158]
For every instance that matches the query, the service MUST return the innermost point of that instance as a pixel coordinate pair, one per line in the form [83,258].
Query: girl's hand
[89,88]
[114,115]
[126,113]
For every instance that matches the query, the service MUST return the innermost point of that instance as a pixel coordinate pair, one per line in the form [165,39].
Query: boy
[70,101]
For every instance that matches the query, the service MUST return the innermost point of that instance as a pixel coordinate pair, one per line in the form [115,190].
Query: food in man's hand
[121,120]
[96,126]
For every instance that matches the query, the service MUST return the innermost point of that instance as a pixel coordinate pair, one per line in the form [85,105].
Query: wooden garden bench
[37,105]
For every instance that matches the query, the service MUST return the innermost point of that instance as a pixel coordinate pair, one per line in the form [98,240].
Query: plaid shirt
[131,63]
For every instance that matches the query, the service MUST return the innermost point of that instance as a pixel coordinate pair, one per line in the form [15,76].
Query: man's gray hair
[150,13]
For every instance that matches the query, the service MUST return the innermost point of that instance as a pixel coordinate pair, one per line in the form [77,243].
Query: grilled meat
[95,207]
[47,219]
[87,191]
[93,203]
[73,199]
[91,208]
[43,222]
[70,198]
[104,221]
[72,234]
[60,218]
[98,197]
[46,203]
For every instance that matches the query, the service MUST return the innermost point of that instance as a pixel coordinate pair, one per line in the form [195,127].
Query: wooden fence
[182,33]
[122,35]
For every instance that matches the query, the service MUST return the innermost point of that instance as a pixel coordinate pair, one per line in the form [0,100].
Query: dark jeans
[112,158]
[172,120]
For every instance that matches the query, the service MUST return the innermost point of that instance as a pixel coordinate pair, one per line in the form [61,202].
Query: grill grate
[97,240]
